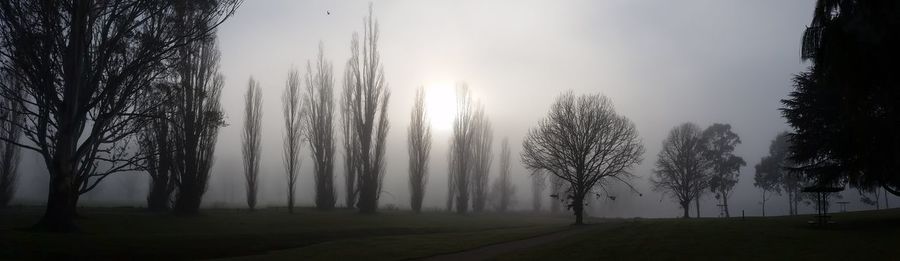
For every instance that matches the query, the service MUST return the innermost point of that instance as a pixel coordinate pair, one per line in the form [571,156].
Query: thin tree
[320,128]
[195,122]
[538,185]
[250,139]
[156,141]
[369,96]
[83,66]
[483,156]
[293,133]
[768,179]
[11,118]
[680,166]
[503,186]
[461,161]
[352,165]
[725,167]
[419,145]
[584,142]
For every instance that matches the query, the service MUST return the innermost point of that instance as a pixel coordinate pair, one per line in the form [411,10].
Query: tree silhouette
[196,121]
[461,159]
[419,144]
[250,139]
[503,187]
[320,128]
[482,154]
[293,133]
[773,175]
[350,143]
[844,108]
[724,166]
[11,120]
[368,100]
[157,143]
[584,142]
[680,166]
[83,66]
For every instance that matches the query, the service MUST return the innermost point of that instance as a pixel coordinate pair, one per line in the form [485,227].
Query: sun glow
[440,104]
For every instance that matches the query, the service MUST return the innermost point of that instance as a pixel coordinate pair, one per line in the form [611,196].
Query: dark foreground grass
[124,233]
[870,235]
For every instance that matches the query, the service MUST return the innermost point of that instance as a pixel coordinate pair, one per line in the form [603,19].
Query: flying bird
[328,12]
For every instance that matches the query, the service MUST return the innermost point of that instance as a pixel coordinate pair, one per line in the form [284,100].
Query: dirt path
[491,251]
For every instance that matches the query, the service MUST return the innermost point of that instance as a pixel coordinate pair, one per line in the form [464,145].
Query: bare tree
[156,141]
[10,130]
[369,96]
[503,187]
[483,156]
[82,66]
[250,139]
[293,132]
[350,140]
[725,167]
[196,120]
[320,128]
[584,142]
[419,143]
[680,166]
[461,160]
[538,185]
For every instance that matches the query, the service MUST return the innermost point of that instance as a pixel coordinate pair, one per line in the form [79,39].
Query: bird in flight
[328,12]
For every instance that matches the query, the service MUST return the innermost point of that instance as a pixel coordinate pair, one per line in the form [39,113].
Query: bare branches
[681,169]
[319,100]
[419,144]
[482,154]
[368,100]
[83,67]
[195,122]
[293,131]
[583,141]
[250,139]
[11,119]
[461,161]
[503,186]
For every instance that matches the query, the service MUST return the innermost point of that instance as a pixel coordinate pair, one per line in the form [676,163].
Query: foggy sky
[661,62]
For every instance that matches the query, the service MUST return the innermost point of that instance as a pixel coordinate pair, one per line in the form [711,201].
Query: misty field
[127,233]
[867,235]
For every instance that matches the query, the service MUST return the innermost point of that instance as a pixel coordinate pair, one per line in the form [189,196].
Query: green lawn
[120,233]
[870,235]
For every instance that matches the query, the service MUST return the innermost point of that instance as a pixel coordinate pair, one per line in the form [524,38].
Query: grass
[126,233]
[273,234]
[869,235]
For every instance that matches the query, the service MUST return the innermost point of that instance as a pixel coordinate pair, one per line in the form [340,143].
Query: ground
[127,233]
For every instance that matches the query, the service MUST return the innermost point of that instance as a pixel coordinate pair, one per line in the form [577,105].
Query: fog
[661,62]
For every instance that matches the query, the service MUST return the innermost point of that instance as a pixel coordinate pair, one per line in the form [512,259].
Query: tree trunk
[188,201]
[368,197]
[725,204]
[685,206]
[578,207]
[290,199]
[158,198]
[697,201]
[764,203]
[62,199]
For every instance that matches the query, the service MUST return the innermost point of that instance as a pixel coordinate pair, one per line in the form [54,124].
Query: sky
[662,63]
